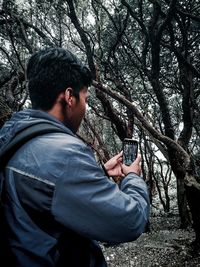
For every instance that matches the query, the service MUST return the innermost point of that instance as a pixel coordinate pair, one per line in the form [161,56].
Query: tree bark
[193,196]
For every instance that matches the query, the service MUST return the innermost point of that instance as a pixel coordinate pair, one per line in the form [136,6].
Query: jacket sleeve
[86,201]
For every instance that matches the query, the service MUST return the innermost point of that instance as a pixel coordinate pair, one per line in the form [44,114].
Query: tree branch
[166,140]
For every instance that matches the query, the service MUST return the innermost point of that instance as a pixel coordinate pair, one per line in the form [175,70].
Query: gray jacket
[59,202]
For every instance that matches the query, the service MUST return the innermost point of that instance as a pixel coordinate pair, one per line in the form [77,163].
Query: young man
[58,200]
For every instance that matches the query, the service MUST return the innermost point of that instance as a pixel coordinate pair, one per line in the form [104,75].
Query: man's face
[75,113]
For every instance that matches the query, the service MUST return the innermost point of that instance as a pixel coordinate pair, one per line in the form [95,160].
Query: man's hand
[134,167]
[114,166]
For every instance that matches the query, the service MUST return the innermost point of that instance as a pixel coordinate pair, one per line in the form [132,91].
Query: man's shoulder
[60,139]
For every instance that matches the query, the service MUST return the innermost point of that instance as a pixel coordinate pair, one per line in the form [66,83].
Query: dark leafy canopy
[147,51]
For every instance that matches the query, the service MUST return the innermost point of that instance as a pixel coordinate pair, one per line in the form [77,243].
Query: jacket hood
[22,119]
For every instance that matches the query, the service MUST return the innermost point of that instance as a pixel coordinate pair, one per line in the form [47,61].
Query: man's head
[55,78]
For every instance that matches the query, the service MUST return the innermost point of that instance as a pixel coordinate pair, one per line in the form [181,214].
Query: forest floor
[165,245]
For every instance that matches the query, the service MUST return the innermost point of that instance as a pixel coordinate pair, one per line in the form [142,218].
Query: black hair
[50,72]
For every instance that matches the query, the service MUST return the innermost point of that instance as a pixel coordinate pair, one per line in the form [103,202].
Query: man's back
[35,237]
[59,200]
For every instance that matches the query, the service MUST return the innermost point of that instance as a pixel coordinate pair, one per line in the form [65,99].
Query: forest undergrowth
[165,245]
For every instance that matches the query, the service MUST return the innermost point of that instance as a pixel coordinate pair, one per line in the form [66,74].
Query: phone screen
[130,150]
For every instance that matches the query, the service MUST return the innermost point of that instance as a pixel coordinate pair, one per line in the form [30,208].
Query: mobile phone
[130,150]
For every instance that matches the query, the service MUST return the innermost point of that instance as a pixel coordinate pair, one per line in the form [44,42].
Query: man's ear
[68,96]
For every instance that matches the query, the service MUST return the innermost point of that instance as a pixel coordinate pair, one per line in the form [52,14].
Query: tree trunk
[182,204]
[193,196]
[177,165]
